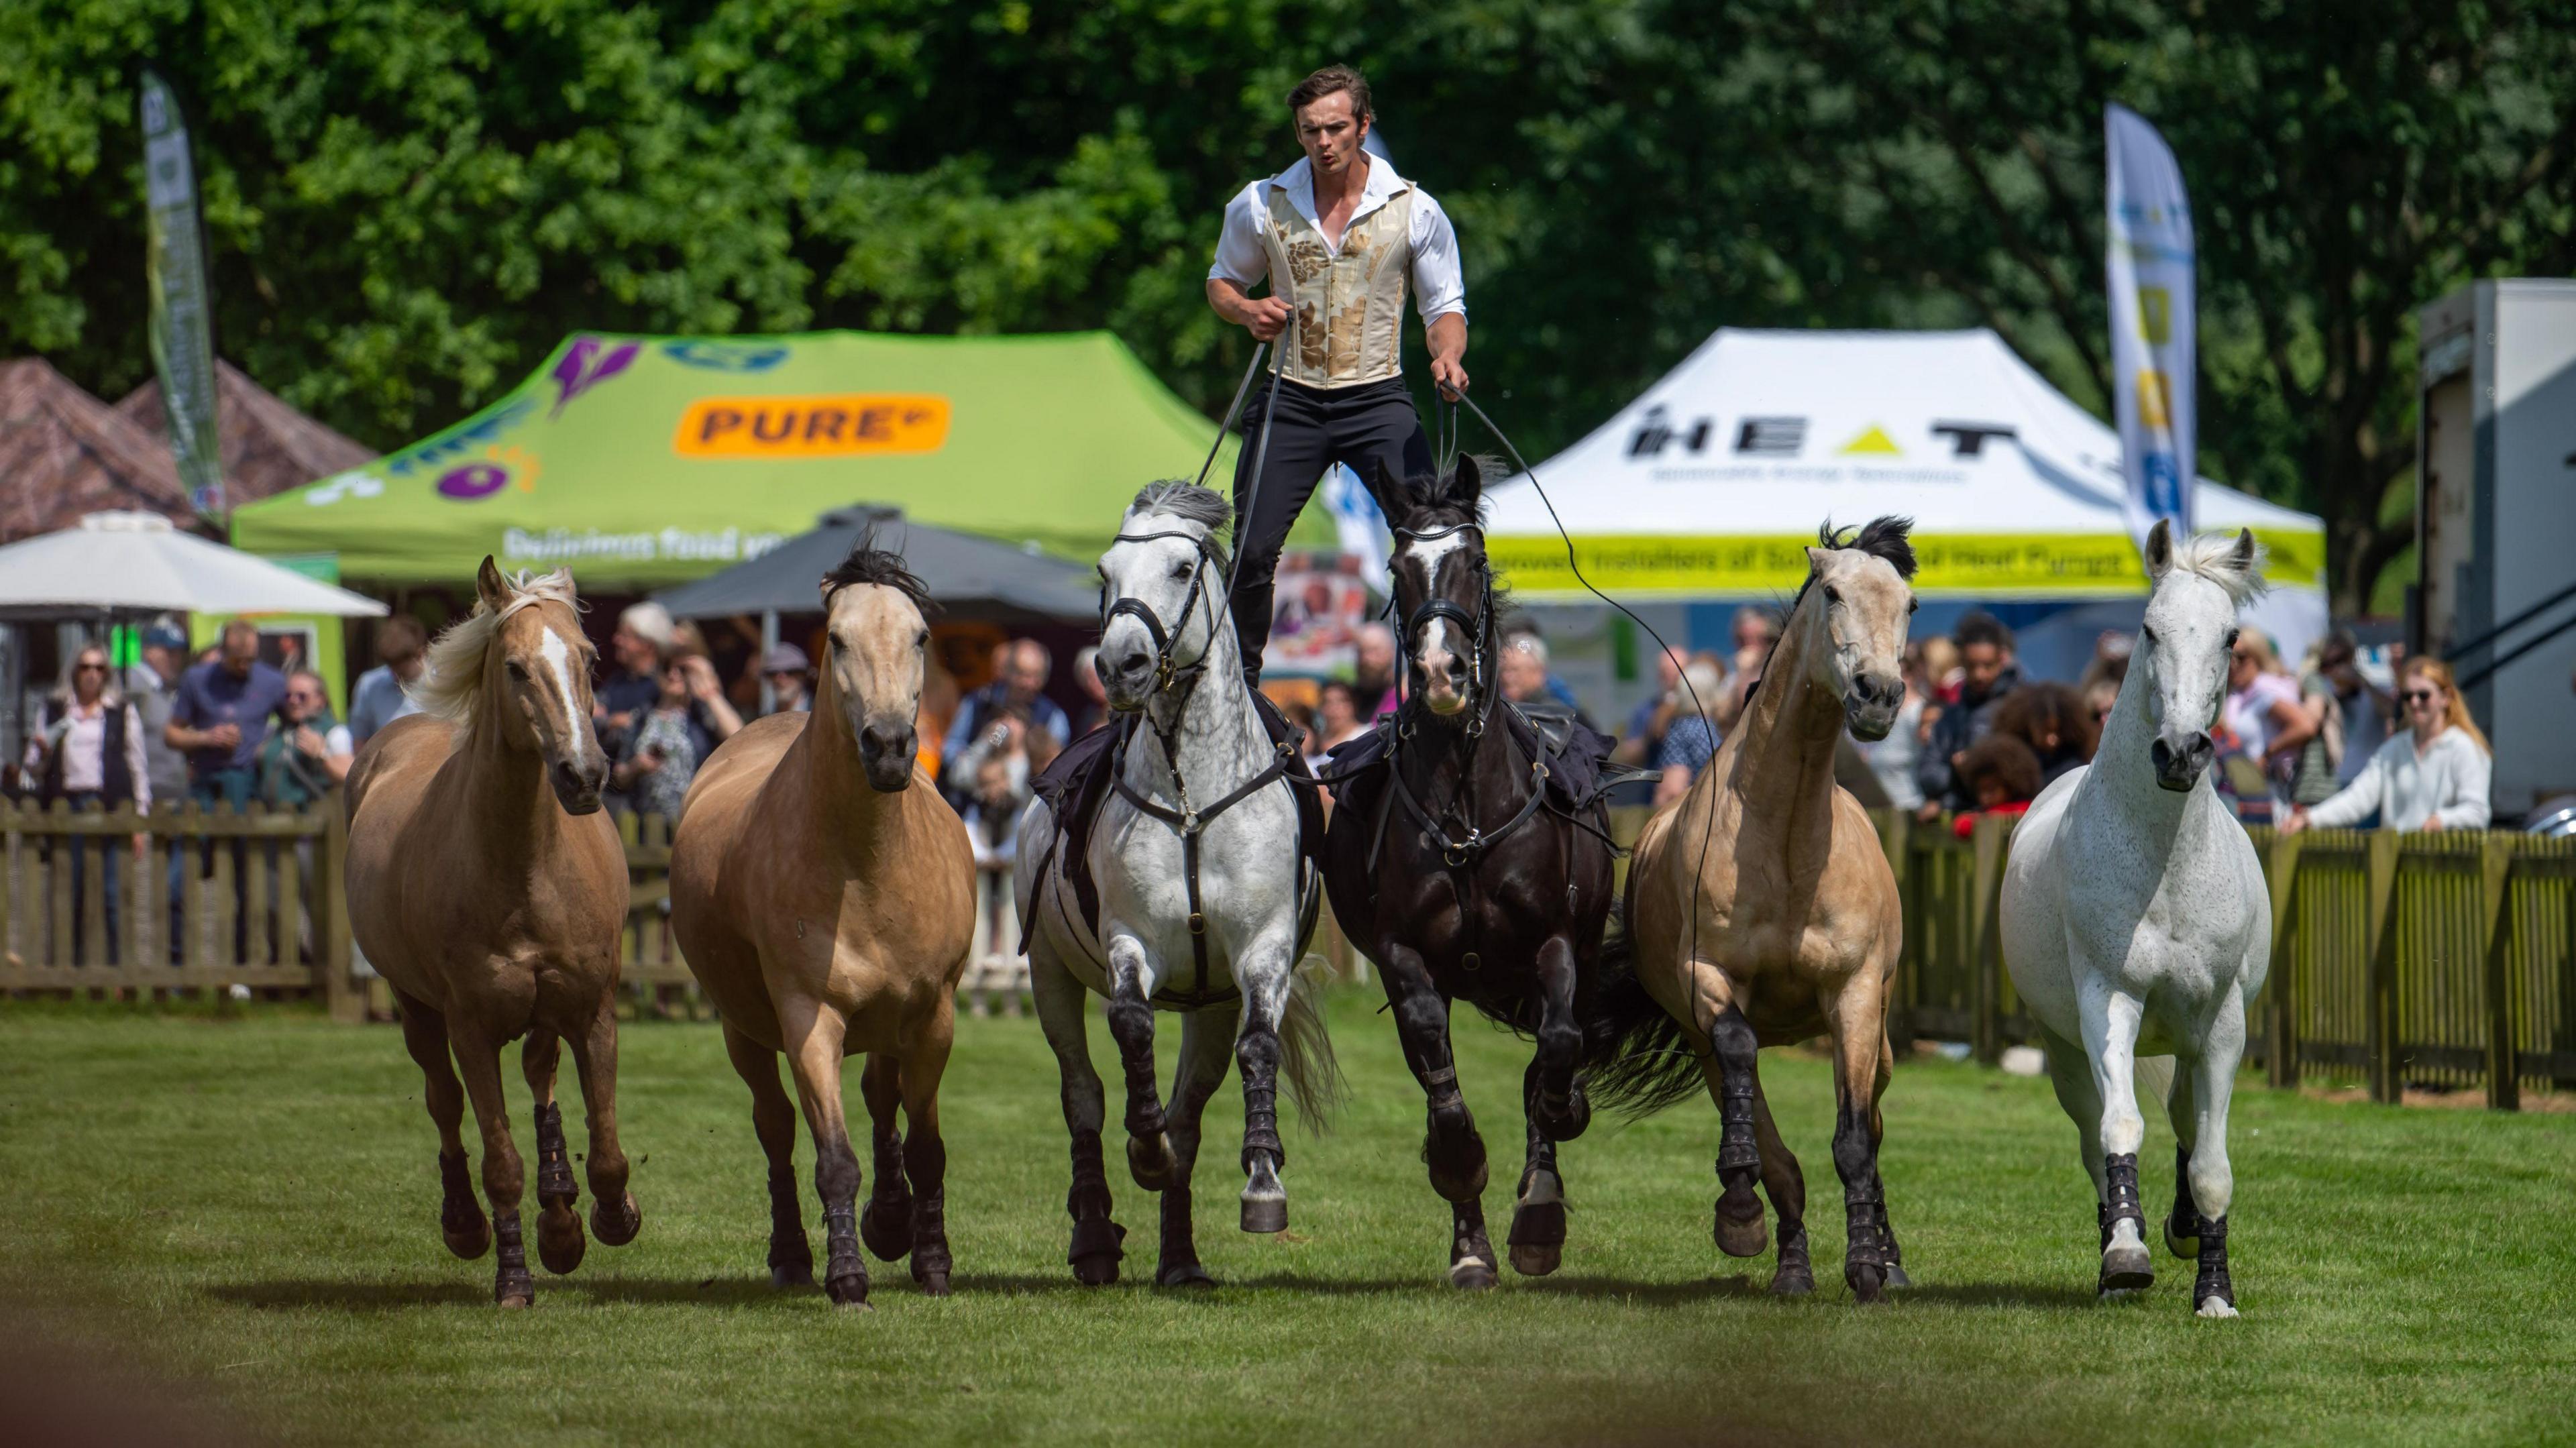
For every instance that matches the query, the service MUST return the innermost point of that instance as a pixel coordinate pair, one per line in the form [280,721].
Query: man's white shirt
[1438,287]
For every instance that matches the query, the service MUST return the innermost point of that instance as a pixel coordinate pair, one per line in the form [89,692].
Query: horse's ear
[2240,559]
[2159,549]
[491,587]
[1815,561]
[1466,482]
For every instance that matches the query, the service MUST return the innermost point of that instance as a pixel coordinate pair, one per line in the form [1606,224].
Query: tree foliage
[410,202]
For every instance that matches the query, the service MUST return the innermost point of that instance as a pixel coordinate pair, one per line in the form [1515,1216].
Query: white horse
[2135,918]
[1195,857]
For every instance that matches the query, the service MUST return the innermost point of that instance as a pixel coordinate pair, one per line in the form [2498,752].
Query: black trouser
[1309,432]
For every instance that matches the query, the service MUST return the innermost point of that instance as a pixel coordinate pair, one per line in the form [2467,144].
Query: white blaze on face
[1429,552]
[558,656]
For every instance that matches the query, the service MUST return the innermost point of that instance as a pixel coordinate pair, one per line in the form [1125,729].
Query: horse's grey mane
[1187,501]
[2213,556]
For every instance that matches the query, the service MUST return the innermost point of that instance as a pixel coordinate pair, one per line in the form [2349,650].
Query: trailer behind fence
[2444,960]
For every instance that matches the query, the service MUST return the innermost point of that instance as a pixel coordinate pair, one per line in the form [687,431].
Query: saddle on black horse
[1570,759]
[1080,780]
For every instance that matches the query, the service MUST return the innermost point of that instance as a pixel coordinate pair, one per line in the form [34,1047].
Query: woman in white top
[2431,776]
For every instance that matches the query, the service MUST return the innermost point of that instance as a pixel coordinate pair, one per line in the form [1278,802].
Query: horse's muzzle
[2181,758]
[1871,707]
[886,751]
[577,786]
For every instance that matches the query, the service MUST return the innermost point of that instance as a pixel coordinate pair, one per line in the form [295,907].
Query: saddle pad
[1076,782]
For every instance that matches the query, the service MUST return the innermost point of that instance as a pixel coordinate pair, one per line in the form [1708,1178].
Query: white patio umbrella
[139,563]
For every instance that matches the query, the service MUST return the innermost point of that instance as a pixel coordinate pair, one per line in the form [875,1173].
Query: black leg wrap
[2120,1176]
[1090,1194]
[2180,1223]
[845,1274]
[791,1258]
[460,1216]
[554,1157]
[1796,1272]
[1865,1216]
[511,1279]
[1736,1150]
[2213,1281]
[1441,1087]
[930,1261]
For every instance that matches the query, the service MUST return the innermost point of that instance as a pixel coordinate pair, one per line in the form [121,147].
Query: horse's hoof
[2127,1268]
[1184,1274]
[514,1288]
[1099,1269]
[517,1299]
[2215,1307]
[560,1244]
[1472,1273]
[1538,1237]
[1896,1278]
[933,1283]
[1566,1125]
[849,1291]
[791,1274]
[1741,1229]
[885,1224]
[1793,1282]
[1532,1260]
[1868,1282]
[1151,1162]
[469,1241]
[1265,1213]
[619,1228]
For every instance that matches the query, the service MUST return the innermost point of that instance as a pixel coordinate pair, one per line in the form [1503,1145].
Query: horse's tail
[1306,1052]
[1637,1059]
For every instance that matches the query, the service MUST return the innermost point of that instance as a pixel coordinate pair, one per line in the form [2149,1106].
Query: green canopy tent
[646,461]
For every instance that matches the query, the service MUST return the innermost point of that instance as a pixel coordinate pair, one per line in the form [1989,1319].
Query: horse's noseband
[1167,671]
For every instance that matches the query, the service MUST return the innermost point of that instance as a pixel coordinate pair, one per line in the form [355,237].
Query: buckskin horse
[823,895]
[1165,874]
[2135,918]
[1470,857]
[1763,911]
[488,890]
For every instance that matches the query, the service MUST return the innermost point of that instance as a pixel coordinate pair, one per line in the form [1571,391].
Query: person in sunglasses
[88,751]
[2432,775]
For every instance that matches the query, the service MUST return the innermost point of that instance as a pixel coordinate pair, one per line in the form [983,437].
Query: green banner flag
[183,344]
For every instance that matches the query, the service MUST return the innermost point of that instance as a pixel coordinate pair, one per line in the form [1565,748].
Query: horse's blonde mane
[2212,556]
[451,686]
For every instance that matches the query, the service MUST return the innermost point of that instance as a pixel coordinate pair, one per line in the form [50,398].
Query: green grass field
[246,1208]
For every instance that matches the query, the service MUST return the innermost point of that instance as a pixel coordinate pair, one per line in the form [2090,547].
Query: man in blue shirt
[379,698]
[221,717]
[979,726]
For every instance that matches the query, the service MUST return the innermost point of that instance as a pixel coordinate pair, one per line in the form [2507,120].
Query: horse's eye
[921,640]
[1913,606]
[2231,638]
[1833,595]
[517,670]
[1180,572]
[2146,634]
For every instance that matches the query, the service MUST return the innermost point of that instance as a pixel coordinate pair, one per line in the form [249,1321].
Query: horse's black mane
[884,567]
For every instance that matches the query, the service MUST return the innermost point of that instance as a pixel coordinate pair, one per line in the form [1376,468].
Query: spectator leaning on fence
[221,718]
[88,747]
[664,747]
[381,694]
[644,637]
[303,762]
[1653,714]
[152,686]
[2434,775]
[1988,672]
[2002,776]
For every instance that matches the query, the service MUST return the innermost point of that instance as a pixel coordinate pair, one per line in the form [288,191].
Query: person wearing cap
[787,669]
[381,694]
[152,686]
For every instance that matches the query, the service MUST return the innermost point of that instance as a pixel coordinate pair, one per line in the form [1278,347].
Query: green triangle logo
[1873,439]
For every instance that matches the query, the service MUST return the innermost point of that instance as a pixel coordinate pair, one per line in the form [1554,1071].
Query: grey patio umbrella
[969,577]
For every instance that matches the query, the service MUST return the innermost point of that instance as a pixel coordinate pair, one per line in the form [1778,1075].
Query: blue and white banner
[2152,314]
[1362,528]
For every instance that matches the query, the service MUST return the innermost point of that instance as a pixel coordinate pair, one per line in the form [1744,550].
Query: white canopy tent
[138,563]
[1713,481]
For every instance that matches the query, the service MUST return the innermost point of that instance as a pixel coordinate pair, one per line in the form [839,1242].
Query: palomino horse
[1763,911]
[1196,856]
[1469,858]
[827,906]
[2135,918]
[488,889]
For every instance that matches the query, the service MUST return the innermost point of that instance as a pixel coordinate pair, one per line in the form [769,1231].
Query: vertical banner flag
[183,345]
[2152,313]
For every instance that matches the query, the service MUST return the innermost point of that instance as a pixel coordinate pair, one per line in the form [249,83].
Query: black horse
[1469,856]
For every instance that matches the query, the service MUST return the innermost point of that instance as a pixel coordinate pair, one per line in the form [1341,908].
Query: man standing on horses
[1340,236]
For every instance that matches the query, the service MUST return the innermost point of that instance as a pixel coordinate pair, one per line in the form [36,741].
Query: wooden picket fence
[2444,960]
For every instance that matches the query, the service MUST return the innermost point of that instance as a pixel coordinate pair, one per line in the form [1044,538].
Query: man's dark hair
[1328,80]
[400,639]
[1981,627]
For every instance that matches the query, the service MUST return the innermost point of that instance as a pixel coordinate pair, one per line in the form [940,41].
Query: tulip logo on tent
[1872,439]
